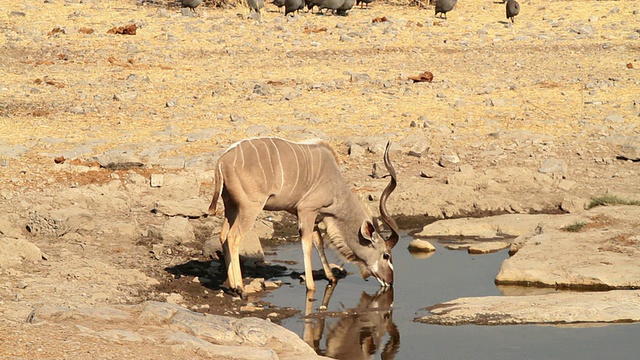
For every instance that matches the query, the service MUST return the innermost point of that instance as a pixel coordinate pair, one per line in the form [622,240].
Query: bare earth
[562,83]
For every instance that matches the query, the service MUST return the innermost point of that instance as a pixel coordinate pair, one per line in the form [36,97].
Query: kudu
[303,179]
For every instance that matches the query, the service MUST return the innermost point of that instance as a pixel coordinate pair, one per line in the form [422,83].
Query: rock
[182,342]
[490,227]
[630,149]
[554,166]
[14,251]
[177,230]
[346,38]
[356,151]
[191,208]
[555,308]
[118,159]
[255,286]
[573,204]
[8,229]
[61,221]
[566,185]
[614,118]
[175,298]
[487,247]
[126,96]
[211,336]
[156,180]
[449,160]
[262,89]
[356,77]
[13,152]
[418,245]
[600,254]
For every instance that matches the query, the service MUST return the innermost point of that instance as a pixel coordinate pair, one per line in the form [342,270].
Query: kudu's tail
[218,183]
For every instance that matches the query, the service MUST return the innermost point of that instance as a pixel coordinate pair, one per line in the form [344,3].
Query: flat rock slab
[618,306]
[487,227]
[602,254]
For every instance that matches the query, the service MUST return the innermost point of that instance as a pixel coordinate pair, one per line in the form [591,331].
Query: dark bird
[192,4]
[292,5]
[255,5]
[312,3]
[363,2]
[332,5]
[444,6]
[513,8]
[278,3]
[346,6]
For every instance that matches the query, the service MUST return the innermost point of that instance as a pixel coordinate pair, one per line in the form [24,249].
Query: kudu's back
[280,174]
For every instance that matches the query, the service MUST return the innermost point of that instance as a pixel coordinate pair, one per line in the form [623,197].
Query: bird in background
[444,6]
[292,6]
[255,5]
[363,3]
[513,8]
[192,4]
[278,3]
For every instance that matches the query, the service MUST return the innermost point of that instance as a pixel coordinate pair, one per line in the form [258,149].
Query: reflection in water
[359,331]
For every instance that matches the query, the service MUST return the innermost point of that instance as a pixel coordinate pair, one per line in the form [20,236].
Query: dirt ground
[544,87]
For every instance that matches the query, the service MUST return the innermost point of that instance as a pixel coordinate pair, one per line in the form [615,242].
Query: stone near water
[418,245]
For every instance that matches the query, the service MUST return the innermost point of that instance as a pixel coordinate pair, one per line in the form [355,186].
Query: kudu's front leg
[318,241]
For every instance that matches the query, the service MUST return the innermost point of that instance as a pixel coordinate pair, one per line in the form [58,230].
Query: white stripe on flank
[297,167]
[273,172]
[280,162]
[264,175]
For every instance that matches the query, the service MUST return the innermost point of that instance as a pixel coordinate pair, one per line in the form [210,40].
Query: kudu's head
[377,256]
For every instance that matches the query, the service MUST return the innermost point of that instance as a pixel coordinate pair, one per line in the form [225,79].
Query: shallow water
[420,283]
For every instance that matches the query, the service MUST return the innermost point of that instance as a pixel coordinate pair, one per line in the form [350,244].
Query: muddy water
[351,328]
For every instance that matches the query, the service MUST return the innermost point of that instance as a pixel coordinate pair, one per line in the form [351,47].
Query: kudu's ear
[367,229]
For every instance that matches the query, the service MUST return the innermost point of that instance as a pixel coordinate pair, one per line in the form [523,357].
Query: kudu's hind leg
[239,227]
[319,244]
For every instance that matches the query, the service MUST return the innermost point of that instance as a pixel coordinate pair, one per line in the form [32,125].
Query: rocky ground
[107,142]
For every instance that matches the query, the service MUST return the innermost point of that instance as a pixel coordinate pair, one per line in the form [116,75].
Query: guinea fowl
[278,3]
[362,3]
[192,4]
[255,5]
[346,6]
[444,6]
[292,5]
[513,8]
[332,5]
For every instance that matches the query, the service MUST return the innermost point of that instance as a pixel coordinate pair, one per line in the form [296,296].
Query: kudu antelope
[302,179]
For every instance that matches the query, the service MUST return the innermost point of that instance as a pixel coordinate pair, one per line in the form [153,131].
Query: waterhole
[359,322]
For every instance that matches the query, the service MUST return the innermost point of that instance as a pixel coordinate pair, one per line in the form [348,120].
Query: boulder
[177,230]
[14,251]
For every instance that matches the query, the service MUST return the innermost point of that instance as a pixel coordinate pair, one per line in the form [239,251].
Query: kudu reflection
[359,333]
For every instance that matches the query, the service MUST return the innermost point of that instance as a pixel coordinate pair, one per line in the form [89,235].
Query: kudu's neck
[343,225]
